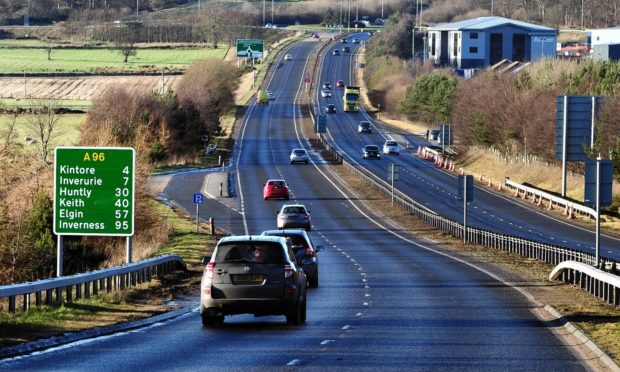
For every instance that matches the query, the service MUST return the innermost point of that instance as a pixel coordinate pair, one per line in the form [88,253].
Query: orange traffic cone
[533,199]
[490,183]
[517,193]
[550,207]
[500,187]
[565,213]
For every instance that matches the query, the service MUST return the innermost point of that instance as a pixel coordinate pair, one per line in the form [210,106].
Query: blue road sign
[198,198]
[579,121]
[605,196]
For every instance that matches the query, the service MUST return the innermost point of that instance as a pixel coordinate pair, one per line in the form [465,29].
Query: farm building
[484,41]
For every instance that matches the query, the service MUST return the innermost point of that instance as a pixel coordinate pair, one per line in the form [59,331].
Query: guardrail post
[78,291]
[26,303]
[37,299]
[109,284]
[87,289]
[69,292]
[48,297]
[59,295]
[11,304]
[96,284]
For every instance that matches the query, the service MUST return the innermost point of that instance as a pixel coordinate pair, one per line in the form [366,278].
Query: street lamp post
[272,12]
[340,28]
[349,18]
[263,13]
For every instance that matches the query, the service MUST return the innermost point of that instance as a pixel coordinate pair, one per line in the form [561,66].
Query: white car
[288,57]
[299,156]
[326,93]
[271,95]
[356,41]
[391,147]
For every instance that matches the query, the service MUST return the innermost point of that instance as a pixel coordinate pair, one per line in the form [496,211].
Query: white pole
[137,7]
[491,7]
[272,12]
[349,18]
[382,9]
[263,13]
[59,255]
[357,11]
[128,250]
[464,209]
[598,208]
[340,28]
[564,145]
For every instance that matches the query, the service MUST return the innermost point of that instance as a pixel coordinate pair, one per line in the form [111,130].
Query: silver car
[253,275]
[299,156]
[326,93]
[293,215]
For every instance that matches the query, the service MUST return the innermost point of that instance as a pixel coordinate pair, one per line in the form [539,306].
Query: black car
[330,108]
[371,152]
[327,85]
[305,251]
[336,52]
[346,50]
[343,40]
[253,274]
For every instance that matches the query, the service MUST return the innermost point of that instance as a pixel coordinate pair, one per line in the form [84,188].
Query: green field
[68,125]
[73,104]
[34,61]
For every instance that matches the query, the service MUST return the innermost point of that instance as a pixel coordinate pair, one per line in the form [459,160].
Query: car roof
[293,205]
[275,179]
[371,146]
[286,232]
[391,142]
[247,238]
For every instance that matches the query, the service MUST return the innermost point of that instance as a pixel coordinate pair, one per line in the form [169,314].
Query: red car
[340,84]
[275,189]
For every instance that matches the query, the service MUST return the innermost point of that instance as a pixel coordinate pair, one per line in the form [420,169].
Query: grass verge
[108,309]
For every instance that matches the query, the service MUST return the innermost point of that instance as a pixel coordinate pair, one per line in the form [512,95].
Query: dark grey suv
[305,251]
[252,274]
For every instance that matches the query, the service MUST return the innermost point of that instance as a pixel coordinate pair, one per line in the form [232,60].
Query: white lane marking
[326,342]
[365,303]
[294,362]
[346,327]
[358,314]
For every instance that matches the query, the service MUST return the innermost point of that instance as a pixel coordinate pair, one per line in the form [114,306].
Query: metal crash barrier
[57,290]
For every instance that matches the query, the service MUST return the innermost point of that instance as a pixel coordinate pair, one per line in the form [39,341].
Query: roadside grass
[68,129]
[107,309]
[94,61]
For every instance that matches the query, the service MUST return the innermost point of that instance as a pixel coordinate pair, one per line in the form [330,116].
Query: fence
[50,291]
[548,253]
[599,283]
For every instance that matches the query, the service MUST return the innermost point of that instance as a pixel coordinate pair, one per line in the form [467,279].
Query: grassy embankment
[117,307]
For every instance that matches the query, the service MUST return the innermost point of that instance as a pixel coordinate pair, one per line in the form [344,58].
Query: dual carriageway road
[386,300]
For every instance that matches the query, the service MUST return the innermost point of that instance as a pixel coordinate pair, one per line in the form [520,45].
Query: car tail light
[209,270]
[309,252]
[288,271]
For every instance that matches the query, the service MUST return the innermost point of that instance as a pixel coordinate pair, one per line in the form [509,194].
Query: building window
[473,50]
[473,35]
[455,42]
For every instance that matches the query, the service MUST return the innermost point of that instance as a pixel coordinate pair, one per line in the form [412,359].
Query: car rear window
[294,210]
[391,143]
[372,148]
[276,183]
[250,252]
[300,152]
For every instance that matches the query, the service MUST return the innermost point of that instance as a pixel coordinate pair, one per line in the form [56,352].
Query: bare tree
[126,49]
[49,49]
[8,132]
[44,126]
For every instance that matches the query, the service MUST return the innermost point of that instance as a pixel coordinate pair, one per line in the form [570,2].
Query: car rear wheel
[314,281]
[212,320]
[297,314]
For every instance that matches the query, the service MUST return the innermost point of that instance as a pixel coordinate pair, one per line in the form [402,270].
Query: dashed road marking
[294,362]
[346,327]
[326,342]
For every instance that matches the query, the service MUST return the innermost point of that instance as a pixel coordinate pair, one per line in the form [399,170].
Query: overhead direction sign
[94,191]
[250,48]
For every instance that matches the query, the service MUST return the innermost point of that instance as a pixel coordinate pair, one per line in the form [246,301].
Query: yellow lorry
[351,99]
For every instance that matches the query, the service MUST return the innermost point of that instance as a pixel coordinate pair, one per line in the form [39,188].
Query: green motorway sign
[250,48]
[94,191]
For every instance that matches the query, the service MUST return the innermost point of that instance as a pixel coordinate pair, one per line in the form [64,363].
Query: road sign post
[598,192]
[466,194]
[198,199]
[392,176]
[94,193]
